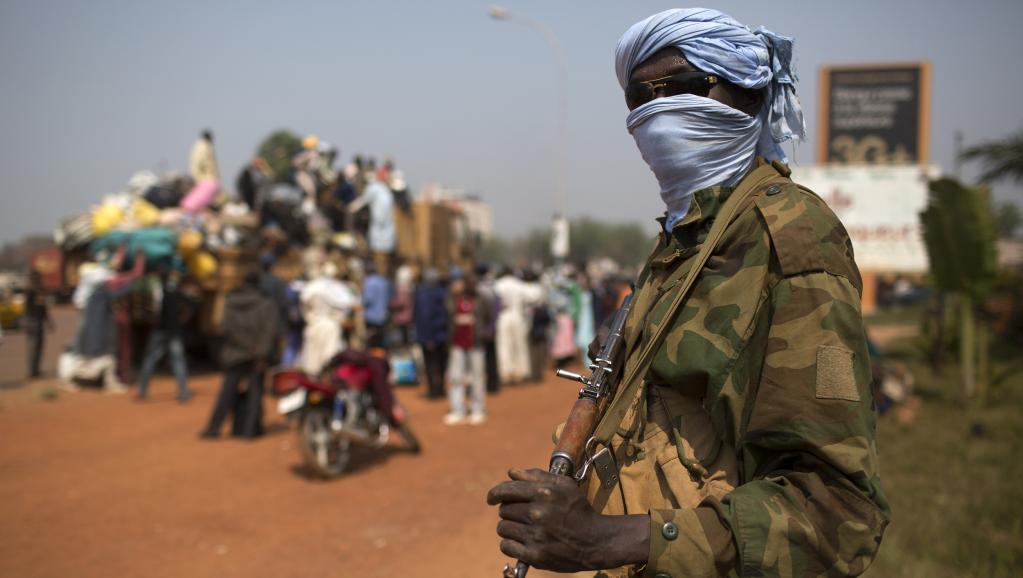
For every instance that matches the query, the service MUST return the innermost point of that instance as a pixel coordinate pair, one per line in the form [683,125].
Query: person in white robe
[512,339]
[326,303]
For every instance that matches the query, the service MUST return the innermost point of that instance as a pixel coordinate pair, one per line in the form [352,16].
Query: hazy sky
[92,90]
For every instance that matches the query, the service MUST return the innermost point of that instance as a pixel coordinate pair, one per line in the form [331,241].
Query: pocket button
[669,530]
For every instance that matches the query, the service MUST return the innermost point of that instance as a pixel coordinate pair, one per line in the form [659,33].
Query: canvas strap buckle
[605,467]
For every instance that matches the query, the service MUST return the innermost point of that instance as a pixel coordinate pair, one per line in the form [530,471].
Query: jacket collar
[693,228]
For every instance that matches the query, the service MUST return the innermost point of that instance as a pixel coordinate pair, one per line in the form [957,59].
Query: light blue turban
[718,44]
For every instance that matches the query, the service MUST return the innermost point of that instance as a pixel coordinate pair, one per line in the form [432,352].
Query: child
[469,316]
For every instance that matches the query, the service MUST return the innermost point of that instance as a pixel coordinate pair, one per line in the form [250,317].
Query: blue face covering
[691,143]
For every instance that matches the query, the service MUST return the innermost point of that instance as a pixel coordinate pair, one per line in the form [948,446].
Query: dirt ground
[13,354]
[98,485]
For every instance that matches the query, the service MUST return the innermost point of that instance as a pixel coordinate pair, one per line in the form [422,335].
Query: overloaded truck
[217,246]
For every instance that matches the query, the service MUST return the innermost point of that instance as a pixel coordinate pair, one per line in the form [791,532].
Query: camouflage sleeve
[690,543]
[810,502]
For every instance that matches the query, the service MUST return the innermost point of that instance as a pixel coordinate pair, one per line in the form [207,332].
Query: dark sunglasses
[695,82]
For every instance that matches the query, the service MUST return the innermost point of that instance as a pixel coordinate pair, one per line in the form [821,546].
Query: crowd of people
[479,330]
[462,331]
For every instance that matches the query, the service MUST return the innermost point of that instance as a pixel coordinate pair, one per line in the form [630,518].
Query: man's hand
[547,522]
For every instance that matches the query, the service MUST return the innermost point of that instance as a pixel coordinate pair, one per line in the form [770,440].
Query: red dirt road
[102,486]
[98,485]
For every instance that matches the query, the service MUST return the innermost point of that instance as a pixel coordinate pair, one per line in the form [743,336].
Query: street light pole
[500,13]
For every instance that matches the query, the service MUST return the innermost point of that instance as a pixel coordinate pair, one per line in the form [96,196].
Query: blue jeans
[162,343]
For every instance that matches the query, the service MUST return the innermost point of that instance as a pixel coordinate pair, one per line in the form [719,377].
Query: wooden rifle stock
[571,448]
[577,431]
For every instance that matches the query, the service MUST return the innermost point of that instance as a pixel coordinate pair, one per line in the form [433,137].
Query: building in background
[479,217]
[449,227]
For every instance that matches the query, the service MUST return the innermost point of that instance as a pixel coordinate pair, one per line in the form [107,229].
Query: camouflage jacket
[772,336]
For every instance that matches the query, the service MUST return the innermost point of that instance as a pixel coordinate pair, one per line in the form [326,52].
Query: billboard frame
[923,116]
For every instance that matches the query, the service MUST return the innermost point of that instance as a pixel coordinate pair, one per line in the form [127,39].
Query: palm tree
[1001,159]
[959,234]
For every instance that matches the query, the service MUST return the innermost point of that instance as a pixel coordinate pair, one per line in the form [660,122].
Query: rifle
[576,444]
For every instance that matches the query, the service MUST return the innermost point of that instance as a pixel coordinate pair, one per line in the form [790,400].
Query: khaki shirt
[753,448]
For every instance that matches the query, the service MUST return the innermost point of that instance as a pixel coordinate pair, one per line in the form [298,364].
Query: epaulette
[806,235]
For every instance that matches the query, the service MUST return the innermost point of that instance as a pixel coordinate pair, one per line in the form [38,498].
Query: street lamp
[501,13]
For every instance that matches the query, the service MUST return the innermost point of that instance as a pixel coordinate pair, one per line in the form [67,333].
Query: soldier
[747,447]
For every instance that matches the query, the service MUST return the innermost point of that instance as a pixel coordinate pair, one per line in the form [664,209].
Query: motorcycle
[336,413]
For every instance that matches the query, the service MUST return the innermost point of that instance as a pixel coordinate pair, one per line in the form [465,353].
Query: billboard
[874,115]
[880,207]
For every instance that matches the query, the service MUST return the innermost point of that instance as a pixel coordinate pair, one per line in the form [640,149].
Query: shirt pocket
[692,460]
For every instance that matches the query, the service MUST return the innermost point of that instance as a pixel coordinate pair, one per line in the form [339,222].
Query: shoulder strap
[635,374]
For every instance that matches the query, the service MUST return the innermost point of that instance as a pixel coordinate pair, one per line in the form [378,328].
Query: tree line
[628,244]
